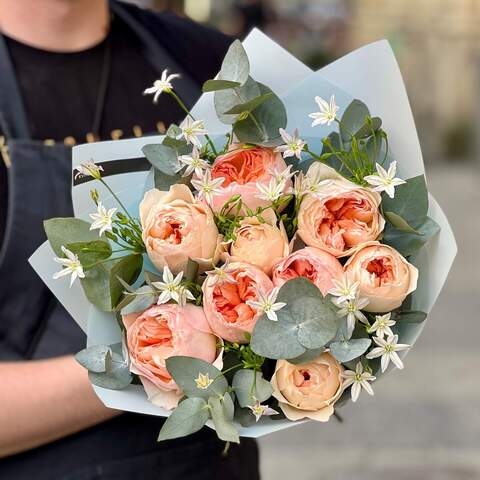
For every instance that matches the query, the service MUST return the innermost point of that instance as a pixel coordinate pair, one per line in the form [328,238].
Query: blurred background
[424,422]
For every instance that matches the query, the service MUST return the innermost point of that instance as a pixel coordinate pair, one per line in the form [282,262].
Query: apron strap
[188,90]
[13,119]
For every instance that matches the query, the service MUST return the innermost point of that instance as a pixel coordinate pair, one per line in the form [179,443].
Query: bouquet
[256,268]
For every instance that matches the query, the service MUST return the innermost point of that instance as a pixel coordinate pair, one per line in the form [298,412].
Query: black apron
[34,325]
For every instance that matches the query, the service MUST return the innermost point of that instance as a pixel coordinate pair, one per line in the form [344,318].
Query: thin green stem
[115,197]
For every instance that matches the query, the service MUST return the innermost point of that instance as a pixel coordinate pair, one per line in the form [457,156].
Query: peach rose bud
[319,266]
[177,227]
[261,244]
[242,169]
[340,215]
[160,332]
[224,301]
[386,278]
[308,390]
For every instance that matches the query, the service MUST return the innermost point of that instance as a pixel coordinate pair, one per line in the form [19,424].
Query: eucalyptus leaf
[348,350]
[353,119]
[249,385]
[249,106]
[224,100]
[245,417]
[308,356]
[224,427]
[411,316]
[163,181]
[263,123]
[128,268]
[228,406]
[191,272]
[91,252]
[189,417]
[214,85]
[64,231]
[399,223]
[185,370]
[373,147]
[143,298]
[117,375]
[235,65]
[93,358]
[366,130]
[162,157]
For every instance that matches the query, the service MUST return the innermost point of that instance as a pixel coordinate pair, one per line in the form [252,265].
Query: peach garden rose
[308,390]
[160,332]
[340,215]
[319,266]
[225,302]
[385,277]
[177,227]
[261,244]
[244,167]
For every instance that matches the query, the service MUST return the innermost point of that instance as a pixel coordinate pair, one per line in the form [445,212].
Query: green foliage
[248,358]
[91,252]
[162,157]
[235,65]
[247,107]
[139,300]
[189,417]
[409,316]
[308,321]
[185,370]
[214,85]
[64,231]
[308,356]
[347,350]
[128,268]
[106,368]
[408,228]
[224,426]
[250,386]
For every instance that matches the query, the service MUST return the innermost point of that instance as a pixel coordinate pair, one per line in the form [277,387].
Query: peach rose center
[342,216]
[381,270]
[301,268]
[242,167]
[229,299]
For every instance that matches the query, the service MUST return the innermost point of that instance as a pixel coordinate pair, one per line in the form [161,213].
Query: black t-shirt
[60,90]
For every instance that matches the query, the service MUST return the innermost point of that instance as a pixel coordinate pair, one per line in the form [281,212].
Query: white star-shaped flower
[387,349]
[266,304]
[271,192]
[203,381]
[89,169]
[282,176]
[172,289]
[207,187]
[315,183]
[358,379]
[352,309]
[71,266]
[191,129]
[328,111]
[221,274]
[385,181]
[260,410]
[293,144]
[194,163]
[164,84]
[300,185]
[344,289]
[102,219]
[382,324]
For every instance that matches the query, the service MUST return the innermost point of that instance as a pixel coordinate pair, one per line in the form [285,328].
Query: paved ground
[424,422]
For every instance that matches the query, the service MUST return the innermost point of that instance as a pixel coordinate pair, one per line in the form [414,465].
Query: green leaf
[308,356]
[191,272]
[91,252]
[267,119]
[412,316]
[162,157]
[353,119]
[348,350]
[399,223]
[410,201]
[189,417]
[366,129]
[373,147]
[225,429]
[142,299]
[64,231]
[228,406]
[235,65]
[117,376]
[128,268]
[93,358]
[409,244]
[185,370]
[180,145]
[214,85]
[224,100]
[308,321]
[163,182]
[248,106]
[249,385]
[244,417]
